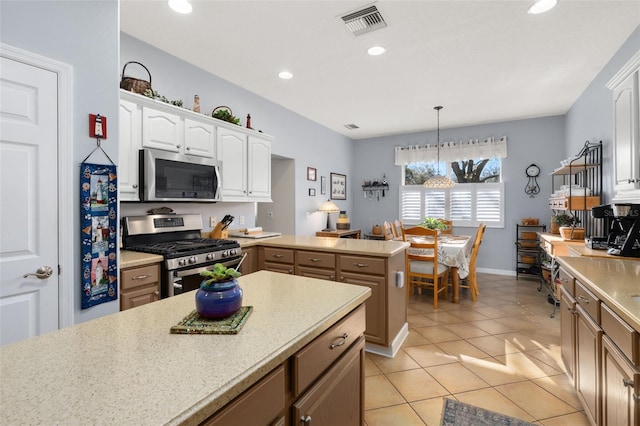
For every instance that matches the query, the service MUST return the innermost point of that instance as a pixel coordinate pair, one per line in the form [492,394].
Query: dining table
[454,251]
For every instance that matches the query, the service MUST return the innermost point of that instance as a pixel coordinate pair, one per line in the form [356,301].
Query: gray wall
[84,35]
[539,141]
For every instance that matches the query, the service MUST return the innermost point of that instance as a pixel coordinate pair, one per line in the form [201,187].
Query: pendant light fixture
[438,181]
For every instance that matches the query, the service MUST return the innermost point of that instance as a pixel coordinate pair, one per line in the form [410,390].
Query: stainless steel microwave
[170,176]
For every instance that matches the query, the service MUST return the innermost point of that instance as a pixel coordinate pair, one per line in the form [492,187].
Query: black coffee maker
[624,231]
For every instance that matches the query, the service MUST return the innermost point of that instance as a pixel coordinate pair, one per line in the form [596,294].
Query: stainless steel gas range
[178,239]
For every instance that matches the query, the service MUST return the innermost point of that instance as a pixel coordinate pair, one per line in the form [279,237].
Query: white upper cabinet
[626,131]
[246,165]
[625,109]
[162,130]
[199,138]
[147,123]
[232,151]
[129,142]
[259,168]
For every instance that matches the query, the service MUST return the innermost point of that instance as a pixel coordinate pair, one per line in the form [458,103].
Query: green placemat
[195,324]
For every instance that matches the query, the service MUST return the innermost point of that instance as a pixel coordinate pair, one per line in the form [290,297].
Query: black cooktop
[185,247]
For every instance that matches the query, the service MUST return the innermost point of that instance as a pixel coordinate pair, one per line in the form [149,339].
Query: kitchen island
[378,265]
[127,368]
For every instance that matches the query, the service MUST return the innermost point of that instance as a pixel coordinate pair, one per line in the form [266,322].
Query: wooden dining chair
[387,231]
[397,226]
[421,262]
[471,282]
[449,228]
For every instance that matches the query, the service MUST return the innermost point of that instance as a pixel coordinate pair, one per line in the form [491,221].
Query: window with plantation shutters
[467,204]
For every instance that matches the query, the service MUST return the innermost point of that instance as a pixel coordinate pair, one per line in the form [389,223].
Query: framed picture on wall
[311,173]
[323,185]
[338,186]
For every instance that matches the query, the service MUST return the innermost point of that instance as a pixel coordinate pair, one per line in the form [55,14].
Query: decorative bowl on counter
[219,300]
[219,295]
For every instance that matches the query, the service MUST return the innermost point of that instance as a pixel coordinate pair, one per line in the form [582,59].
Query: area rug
[456,413]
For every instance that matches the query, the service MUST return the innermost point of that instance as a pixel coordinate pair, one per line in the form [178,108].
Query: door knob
[42,272]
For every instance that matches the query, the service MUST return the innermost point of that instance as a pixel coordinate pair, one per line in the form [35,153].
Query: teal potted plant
[433,223]
[219,295]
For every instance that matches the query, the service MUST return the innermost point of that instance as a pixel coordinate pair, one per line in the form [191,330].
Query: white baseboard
[497,271]
[392,350]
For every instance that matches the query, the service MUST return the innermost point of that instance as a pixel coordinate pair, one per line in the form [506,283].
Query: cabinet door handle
[342,341]
[178,146]
[134,186]
[583,299]
[627,382]
[305,420]
[332,277]
[291,271]
[361,265]
[188,148]
[636,398]
[278,256]
[314,259]
[156,293]
[141,277]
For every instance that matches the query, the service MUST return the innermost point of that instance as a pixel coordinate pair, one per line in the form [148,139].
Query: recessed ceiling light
[376,50]
[180,6]
[542,6]
[285,75]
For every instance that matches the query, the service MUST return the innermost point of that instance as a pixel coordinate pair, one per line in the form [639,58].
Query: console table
[340,233]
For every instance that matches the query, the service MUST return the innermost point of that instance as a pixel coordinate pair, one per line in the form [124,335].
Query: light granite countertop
[614,281]
[330,244]
[127,369]
[131,259]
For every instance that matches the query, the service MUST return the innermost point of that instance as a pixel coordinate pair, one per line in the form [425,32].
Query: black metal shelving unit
[528,251]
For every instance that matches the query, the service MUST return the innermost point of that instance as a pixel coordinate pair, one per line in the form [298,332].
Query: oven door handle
[194,271]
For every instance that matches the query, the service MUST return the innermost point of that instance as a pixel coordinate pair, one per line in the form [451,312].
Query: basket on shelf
[135,85]
[530,221]
[224,113]
[527,235]
[528,259]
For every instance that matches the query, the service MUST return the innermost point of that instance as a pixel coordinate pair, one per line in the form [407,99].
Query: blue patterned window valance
[452,151]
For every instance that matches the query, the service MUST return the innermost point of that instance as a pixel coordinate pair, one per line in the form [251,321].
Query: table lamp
[329,207]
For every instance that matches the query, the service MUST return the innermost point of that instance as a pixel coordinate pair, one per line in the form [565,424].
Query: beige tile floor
[501,353]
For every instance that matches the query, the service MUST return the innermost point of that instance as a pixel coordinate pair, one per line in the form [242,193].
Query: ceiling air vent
[364,21]
[351,126]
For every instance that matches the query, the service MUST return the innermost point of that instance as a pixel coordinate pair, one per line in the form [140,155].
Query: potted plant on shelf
[433,223]
[219,294]
[567,226]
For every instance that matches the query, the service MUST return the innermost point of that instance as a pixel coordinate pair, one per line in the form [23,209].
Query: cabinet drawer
[278,255]
[363,265]
[261,404]
[567,281]
[621,333]
[588,301]
[318,355]
[323,274]
[137,277]
[316,259]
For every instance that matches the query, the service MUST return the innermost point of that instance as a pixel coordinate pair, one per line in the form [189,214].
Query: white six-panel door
[28,201]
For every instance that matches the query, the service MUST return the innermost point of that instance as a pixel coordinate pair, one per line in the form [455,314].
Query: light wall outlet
[269,215]
[241,219]
[212,221]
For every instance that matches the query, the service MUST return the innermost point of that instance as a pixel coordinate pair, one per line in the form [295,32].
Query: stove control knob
[225,253]
[210,256]
[192,259]
[232,252]
[182,262]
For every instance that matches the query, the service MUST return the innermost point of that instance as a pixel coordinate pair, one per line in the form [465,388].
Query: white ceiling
[485,61]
